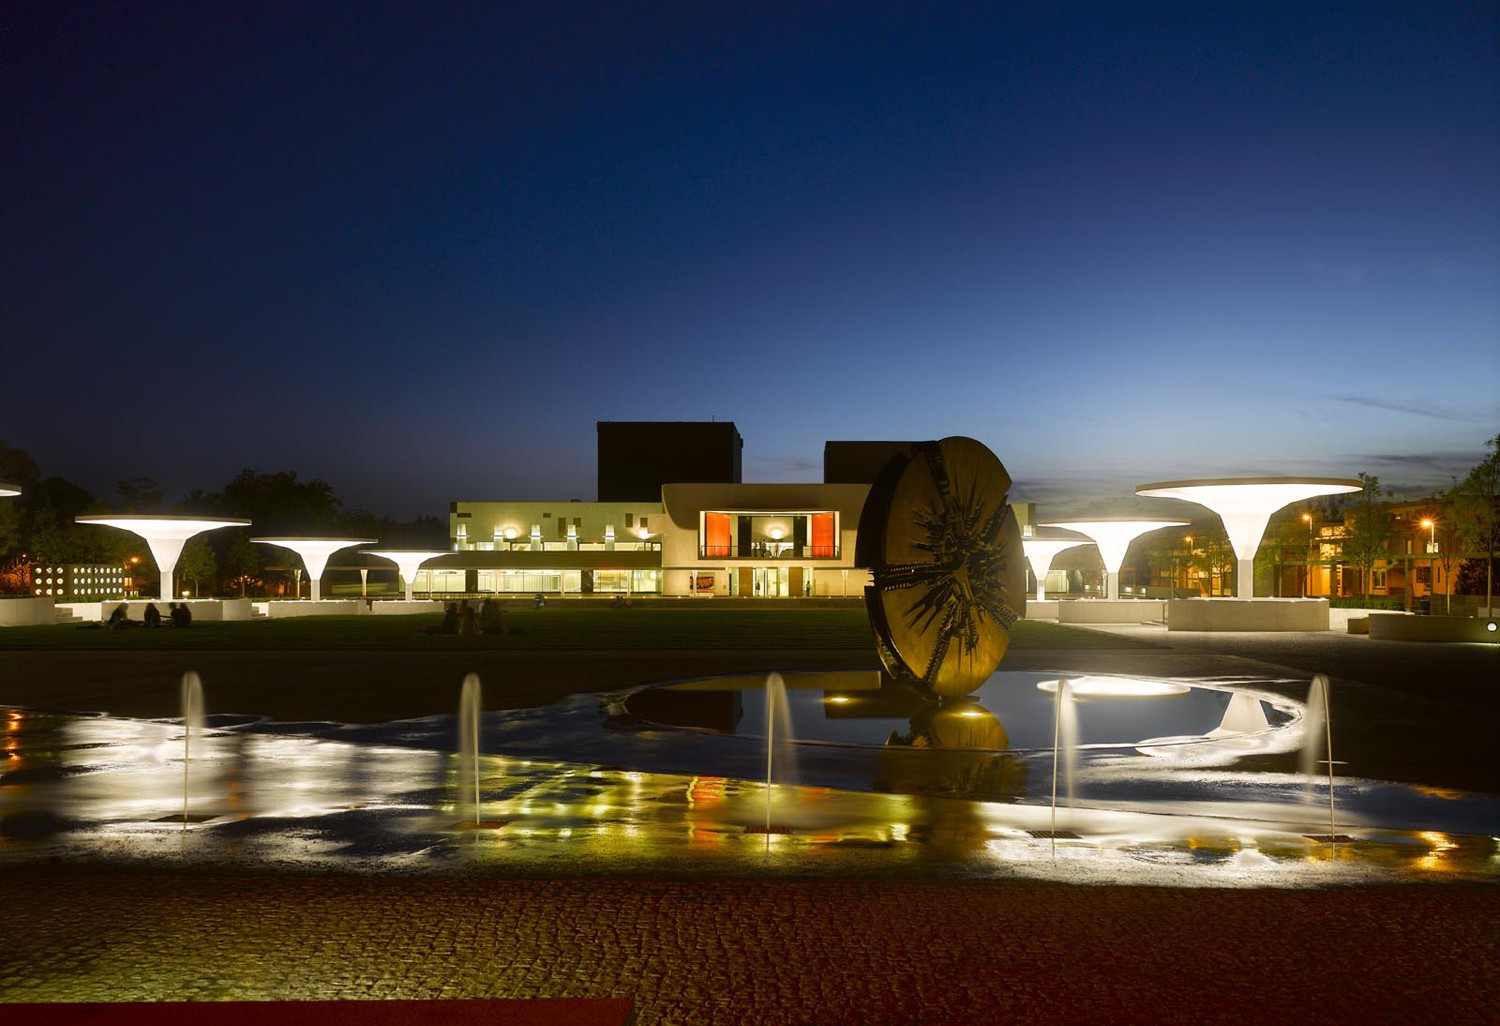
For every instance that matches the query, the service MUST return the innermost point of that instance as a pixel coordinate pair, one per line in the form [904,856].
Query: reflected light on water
[1116,687]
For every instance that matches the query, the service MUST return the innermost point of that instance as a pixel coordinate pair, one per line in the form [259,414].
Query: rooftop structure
[637,457]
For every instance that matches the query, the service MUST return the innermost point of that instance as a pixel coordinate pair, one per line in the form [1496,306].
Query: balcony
[769,550]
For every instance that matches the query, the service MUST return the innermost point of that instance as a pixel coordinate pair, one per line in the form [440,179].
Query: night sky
[418,250]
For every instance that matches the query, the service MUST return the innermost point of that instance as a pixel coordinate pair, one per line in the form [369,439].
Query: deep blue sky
[418,250]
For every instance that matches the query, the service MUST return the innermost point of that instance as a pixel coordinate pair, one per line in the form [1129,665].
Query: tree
[280,504]
[10,527]
[1367,540]
[1478,514]
[197,562]
[242,562]
[139,495]
[17,467]
[1284,543]
[1450,545]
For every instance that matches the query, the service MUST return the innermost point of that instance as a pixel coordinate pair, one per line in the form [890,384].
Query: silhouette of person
[152,616]
[450,620]
[468,623]
[491,617]
[181,617]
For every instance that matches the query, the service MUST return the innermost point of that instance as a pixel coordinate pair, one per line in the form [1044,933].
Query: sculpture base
[1046,609]
[1111,611]
[1233,614]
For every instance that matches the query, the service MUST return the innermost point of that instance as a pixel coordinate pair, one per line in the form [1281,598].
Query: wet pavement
[324,860]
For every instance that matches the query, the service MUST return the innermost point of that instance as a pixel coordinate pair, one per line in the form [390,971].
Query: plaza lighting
[408,561]
[315,553]
[1116,687]
[1040,552]
[9,489]
[1431,526]
[1245,505]
[1113,538]
[164,536]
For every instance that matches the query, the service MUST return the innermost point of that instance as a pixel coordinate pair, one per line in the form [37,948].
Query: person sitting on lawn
[491,617]
[152,616]
[180,615]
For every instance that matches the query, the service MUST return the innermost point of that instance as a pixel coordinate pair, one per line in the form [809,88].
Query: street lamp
[1431,526]
[1307,559]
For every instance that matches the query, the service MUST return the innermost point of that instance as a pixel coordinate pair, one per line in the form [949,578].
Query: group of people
[461,618]
[178,615]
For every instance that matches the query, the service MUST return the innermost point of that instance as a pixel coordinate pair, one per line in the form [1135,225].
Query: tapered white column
[408,562]
[1245,505]
[164,536]
[1113,537]
[1040,552]
[315,553]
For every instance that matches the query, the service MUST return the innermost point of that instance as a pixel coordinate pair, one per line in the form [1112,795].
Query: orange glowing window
[716,534]
[822,535]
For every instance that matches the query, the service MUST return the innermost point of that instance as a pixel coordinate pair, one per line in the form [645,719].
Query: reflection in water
[960,750]
[954,792]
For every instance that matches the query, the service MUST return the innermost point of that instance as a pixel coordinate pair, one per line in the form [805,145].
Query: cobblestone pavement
[764,952]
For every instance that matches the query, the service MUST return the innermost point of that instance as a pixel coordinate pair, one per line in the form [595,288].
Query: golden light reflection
[706,791]
[1438,792]
[1436,860]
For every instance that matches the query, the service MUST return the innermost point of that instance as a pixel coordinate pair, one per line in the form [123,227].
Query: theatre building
[673,518]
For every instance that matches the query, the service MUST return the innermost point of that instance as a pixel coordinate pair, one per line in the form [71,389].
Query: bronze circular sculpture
[948,577]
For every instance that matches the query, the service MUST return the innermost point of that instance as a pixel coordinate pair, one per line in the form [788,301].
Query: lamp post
[1307,560]
[1432,548]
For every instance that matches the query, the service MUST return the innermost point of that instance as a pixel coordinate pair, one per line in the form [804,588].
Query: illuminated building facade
[701,533]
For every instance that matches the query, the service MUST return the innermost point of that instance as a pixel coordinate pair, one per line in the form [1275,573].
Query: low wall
[1043,610]
[1262,614]
[1110,611]
[25,612]
[400,607]
[1401,627]
[135,609]
[324,607]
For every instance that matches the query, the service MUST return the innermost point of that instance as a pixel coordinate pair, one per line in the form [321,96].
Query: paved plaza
[878,938]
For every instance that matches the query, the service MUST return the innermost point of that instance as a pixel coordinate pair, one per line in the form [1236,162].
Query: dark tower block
[637,457]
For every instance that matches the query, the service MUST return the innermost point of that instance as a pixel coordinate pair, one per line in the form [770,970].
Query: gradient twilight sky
[419,249]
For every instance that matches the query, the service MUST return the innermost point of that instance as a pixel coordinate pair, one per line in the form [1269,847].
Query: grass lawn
[552,628]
